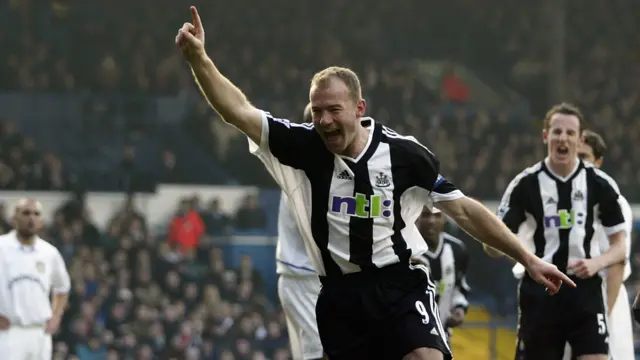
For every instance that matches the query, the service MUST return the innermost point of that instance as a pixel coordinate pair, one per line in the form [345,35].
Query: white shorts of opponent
[298,295]
[620,330]
[25,343]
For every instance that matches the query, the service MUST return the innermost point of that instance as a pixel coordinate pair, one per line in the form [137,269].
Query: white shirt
[603,239]
[291,255]
[28,275]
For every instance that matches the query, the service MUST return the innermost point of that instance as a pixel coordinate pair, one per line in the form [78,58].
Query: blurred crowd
[139,296]
[78,47]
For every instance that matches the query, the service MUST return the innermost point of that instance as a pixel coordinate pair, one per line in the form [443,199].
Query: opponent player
[354,186]
[298,285]
[555,207]
[592,149]
[31,270]
[447,260]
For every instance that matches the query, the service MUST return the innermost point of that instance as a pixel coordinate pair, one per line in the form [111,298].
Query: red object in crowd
[455,89]
[185,231]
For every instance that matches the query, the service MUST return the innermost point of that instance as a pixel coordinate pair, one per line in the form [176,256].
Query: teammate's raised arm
[222,94]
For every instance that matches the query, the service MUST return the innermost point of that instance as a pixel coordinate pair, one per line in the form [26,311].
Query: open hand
[584,268]
[190,38]
[548,275]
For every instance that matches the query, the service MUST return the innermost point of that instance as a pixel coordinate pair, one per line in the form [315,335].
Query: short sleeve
[285,143]
[60,281]
[287,149]
[512,209]
[427,171]
[609,209]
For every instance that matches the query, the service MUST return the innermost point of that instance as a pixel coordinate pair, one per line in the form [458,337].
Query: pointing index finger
[195,17]
[566,279]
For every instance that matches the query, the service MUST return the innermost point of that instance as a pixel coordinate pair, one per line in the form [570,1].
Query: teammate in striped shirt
[357,188]
[298,284]
[447,260]
[556,207]
[592,150]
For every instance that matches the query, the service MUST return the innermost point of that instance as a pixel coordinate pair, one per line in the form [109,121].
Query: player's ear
[545,135]
[361,108]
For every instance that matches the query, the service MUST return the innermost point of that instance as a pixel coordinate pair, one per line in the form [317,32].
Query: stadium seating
[473,340]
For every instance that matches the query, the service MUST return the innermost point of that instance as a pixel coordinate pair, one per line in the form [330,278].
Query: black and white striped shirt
[448,267]
[354,214]
[556,217]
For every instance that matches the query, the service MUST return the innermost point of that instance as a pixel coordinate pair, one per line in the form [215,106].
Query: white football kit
[298,287]
[28,275]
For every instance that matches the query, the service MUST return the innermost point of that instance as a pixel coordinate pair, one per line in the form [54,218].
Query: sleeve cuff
[453,195]
[256,149]
[614,229]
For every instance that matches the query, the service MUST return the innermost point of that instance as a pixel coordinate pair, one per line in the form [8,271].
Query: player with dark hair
[447,260]
[556,207]
[592,149]
[357,188]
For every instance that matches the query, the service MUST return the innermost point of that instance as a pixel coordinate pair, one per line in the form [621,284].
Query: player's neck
[562,169]
[358,144]
[433,244]
[26,240]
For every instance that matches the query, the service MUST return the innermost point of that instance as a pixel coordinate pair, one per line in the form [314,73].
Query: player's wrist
[198,59]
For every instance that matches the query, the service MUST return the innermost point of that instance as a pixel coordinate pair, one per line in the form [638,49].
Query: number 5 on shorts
[602,324]
[422,311]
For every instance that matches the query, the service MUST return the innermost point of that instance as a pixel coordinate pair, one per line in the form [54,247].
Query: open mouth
[563,150]
[332,135]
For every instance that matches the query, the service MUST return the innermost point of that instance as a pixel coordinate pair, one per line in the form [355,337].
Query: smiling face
[336,114]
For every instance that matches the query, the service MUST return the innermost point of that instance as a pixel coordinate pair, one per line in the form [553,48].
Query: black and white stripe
[447,265]
[556,217]
[354,214]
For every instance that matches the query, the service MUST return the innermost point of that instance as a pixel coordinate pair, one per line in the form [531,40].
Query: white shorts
[21,343]
[620,328]
[298,296]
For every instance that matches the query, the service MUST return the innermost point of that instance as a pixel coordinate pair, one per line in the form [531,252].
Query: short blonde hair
[346,75]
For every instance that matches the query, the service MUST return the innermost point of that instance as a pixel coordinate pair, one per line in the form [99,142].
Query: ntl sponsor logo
[362,206]
[565,219]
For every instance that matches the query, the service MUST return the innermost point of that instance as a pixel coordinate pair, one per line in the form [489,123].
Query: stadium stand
[95,98]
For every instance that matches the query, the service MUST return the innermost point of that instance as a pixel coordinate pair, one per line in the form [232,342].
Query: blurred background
[167,223]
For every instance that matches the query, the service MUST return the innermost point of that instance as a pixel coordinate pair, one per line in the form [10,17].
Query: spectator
[186,227]
[216,222]
[454,87]
[250,216]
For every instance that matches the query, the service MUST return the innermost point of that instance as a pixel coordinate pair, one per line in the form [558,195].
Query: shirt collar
[21,246]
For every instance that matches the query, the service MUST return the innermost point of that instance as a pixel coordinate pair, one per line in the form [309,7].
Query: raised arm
[222,94]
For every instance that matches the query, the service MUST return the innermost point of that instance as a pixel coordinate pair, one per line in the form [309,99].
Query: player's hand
[584,268]
[548,275]
[52,325]
[4,323]
[190,38]
[456,318]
